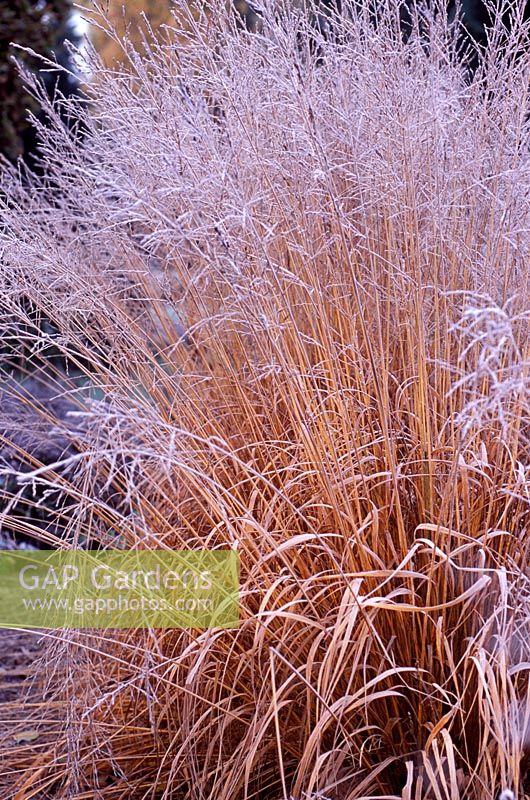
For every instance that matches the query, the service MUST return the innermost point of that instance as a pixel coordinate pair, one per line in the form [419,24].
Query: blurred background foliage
[43,26]
[133,16]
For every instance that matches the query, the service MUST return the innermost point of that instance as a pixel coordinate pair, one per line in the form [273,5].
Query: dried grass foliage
[299,288]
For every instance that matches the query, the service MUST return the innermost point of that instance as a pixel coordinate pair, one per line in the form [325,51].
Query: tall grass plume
[282,280]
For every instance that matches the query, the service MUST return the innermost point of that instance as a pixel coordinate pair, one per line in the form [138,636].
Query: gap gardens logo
[119,589]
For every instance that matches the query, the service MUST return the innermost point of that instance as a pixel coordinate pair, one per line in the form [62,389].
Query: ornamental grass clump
[285,278]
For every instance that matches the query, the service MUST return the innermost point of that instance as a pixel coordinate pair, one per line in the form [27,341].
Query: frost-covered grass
[300,289]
